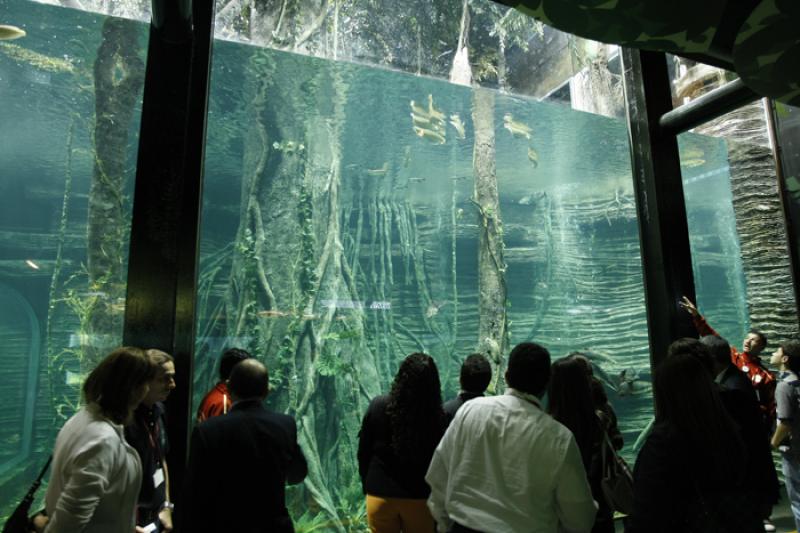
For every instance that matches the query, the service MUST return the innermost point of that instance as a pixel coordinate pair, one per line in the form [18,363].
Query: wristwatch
[168,505]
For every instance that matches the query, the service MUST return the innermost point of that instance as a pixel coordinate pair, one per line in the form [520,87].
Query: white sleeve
[437,477]
[575,506]
[89,474]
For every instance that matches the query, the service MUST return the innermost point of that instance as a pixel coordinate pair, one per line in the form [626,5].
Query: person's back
[251,448]
[521,473]
[505,466]
[255,443]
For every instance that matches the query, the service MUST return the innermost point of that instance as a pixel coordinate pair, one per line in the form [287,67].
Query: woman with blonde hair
[96,474]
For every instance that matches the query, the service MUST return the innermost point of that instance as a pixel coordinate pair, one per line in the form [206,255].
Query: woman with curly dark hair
[399,433]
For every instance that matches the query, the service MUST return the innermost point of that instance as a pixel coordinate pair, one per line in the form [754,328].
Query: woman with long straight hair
[398,436]
[570,402]
[96,474]
[689,475]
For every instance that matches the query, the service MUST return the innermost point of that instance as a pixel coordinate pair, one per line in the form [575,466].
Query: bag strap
[35,485]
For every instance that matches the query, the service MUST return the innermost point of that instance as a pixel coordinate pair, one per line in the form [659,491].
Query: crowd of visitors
[532,458]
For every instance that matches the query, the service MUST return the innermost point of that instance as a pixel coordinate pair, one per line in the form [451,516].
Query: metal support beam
[784,135]
[714,104]
[162,271]
[663,230]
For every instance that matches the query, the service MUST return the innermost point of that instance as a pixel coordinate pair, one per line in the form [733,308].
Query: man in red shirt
[747,361]
[218,401]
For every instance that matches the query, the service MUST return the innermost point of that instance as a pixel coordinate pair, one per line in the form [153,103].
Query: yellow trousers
[395,515]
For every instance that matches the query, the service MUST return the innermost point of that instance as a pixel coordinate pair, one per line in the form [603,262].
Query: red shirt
[762,379]
[216,402]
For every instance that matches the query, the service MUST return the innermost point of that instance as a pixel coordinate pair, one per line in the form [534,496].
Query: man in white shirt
[505,466]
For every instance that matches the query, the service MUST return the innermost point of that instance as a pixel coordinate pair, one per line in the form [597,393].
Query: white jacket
[95,479]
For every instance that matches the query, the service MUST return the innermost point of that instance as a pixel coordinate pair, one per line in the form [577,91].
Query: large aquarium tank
[380,178]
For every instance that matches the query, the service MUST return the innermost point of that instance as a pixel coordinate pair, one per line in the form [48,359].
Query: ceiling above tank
[757,39]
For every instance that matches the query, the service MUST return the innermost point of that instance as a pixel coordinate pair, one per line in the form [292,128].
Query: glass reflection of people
[690,469]
[787,431]
[570,402]
[147,434]
[474,378]
[96,474]
[398,436]
[218,400]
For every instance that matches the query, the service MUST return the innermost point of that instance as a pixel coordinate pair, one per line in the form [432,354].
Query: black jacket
[383,472]
[238,467]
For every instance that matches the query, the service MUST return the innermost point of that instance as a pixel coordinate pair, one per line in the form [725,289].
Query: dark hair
[476,373]
[230,358]
[528,368]
[760,335]
[599,396]
[695,348]
[718,347]
[113,382]
[249,379]
[571,403]
[791,349]
[688,401]
[415,407]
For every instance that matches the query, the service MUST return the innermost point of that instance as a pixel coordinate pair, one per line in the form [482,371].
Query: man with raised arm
[505,466]
[747,361]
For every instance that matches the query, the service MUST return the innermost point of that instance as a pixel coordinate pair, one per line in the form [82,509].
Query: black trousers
[458,528]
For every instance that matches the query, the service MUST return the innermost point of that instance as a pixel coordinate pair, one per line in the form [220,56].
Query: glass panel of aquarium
[356,213]
[736,227]
[70,94]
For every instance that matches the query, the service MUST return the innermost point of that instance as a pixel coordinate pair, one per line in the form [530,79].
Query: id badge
[151,528]
[158,477]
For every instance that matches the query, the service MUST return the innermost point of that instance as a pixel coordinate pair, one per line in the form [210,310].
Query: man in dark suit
[249,443]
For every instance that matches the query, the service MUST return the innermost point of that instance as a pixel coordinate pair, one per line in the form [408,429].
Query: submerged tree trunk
[493,322]
[118,79]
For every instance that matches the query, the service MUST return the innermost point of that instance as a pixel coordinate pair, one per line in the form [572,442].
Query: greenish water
[333,261]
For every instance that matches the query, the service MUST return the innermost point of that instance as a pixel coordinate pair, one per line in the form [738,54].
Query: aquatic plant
[38,60]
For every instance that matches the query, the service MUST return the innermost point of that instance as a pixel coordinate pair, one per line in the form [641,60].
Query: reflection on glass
[70,92]
[354,215]
[689,79]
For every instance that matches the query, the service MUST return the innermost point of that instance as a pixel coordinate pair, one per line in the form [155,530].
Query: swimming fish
[455,121]
[416,179]
[533,157]
[431,135]
[9,33]
[273,313]
[379,171]
[517,129]
[406,156]
[432,111]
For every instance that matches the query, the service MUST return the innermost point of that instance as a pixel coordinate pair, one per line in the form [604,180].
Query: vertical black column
[663,230]
[162,269]
[784,133]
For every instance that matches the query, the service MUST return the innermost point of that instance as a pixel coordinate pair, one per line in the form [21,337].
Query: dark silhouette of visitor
[570,402]
[476,373]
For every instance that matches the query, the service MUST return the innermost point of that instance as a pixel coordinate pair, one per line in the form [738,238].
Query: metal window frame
[164,242]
